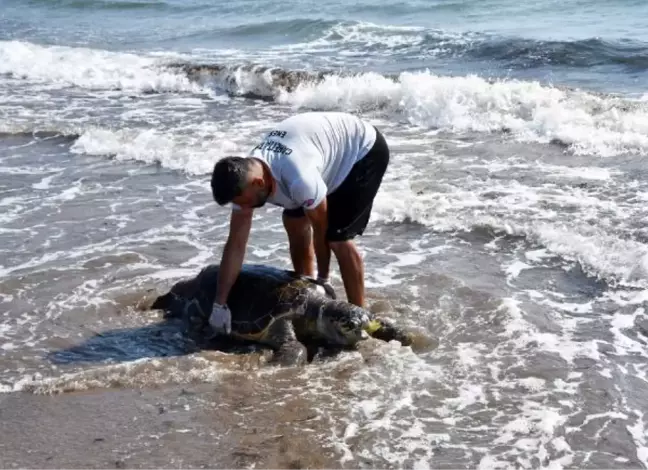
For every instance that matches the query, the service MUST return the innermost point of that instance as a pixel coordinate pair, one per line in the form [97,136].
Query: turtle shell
[261,295]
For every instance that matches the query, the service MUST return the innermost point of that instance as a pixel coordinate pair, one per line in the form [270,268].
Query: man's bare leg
[351,269]
[300,239]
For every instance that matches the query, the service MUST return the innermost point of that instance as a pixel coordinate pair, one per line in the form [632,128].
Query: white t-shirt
[310,154]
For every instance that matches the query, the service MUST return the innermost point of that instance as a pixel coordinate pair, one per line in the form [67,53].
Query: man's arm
[308,190]
[319,221]
[233,253]
[349,259]
[351,269]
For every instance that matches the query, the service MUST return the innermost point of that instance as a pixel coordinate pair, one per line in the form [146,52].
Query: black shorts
[349,206]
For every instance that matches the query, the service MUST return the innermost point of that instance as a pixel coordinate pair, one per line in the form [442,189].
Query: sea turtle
[280,309]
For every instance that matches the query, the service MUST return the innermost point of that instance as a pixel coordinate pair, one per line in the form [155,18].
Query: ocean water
[511,228]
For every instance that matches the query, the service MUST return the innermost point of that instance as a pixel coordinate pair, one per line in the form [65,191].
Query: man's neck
[268,178]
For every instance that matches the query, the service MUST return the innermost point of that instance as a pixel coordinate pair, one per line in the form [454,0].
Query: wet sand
[167,427]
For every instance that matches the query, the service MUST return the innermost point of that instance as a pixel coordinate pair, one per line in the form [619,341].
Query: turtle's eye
[352,324]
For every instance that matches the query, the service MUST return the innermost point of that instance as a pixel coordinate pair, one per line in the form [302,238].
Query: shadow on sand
[168,338]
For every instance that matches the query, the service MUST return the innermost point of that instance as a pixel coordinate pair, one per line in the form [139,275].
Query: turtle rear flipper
[171,304]
[288,350]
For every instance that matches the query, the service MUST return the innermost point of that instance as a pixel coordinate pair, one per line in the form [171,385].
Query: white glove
[221,319]
[328,288]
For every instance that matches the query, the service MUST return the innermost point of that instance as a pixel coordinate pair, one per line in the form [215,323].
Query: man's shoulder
[317,119]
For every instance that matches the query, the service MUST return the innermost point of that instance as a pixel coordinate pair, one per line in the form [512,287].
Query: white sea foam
[193,153]
[364,39]
[393,400]
[139,373]
[44,183]
[522,333]
[90,68]
[533,212]
[639,432]
[579,225]
[588,123]
[556,172]
[604,254]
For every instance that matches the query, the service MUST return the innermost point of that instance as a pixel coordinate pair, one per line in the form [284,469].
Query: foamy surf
[204,367]
[416,412]
[526,111]
[91,69]
[529,111]
[529,211]
[490,404]
[519,209]
[193,154]
[190,148]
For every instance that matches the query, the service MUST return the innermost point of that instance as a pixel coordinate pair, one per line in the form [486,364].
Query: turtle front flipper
[163,302]
[288,350]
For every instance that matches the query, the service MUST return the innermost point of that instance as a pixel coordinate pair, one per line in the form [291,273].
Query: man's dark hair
[229,178]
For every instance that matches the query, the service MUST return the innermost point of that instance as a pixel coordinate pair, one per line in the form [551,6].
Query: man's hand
[221,319]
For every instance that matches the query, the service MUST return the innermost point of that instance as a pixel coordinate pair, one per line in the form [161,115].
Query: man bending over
[324,169]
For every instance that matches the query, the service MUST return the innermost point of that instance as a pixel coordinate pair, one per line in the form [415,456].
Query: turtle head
[345,324]
[342,323]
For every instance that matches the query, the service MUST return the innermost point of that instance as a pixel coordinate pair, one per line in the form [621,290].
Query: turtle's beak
[371,327]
